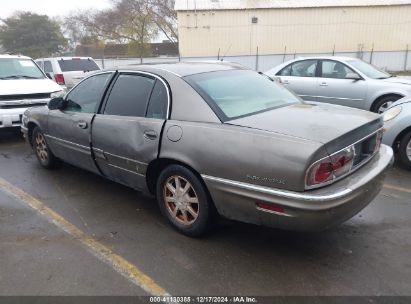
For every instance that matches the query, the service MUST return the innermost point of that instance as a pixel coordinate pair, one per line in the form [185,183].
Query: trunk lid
[334,126]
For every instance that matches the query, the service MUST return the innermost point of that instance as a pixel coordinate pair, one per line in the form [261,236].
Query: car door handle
[150,134]
[285,82]
[82,125]
[323,84]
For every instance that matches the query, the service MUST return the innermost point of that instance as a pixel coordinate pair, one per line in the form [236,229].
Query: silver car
[342,80]
[398,130]
[211,139]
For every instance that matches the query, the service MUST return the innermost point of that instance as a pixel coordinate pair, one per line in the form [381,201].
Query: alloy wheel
[408,150]
[41,147]
[385,106]
[181,200]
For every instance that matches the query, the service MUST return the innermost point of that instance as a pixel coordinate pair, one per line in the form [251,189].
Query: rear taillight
[59,79]
[330,168]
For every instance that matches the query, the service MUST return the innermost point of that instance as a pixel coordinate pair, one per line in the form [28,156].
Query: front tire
[43,153]
[384,103]
[404,150]
[184,201]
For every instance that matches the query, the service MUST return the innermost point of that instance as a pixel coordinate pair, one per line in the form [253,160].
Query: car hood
[27,86]
[335,126]
[401,80]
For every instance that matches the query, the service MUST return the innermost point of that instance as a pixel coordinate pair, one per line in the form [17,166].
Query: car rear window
[238,93]
[71,65]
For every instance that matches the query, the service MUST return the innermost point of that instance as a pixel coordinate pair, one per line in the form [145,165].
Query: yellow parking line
[102,252]
[401,189]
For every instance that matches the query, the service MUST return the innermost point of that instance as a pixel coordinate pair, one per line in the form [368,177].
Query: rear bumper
[305,211]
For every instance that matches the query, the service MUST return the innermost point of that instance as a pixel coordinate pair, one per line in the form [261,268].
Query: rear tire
[184,201]
[384,103]
[43,153]
[404,151]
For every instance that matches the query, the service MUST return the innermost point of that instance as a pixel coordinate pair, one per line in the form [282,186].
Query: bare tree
[135,22]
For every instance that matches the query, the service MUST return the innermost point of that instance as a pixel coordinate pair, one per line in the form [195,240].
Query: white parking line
[401,189]
[102,252]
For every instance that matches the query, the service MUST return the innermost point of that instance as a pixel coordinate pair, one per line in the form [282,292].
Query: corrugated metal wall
[302,30]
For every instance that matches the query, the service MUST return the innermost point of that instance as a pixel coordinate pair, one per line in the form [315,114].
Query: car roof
[11,56]
[340,58]
[277,68]
[65,58]
[183,69]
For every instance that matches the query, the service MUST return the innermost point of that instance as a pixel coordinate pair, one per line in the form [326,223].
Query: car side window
[47,67]
[40,64]
[130,95]
[157,107]
[85,97]
[305,68]
[334,69]
[285,72]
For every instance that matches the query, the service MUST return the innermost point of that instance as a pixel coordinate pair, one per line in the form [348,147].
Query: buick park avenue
[211,139]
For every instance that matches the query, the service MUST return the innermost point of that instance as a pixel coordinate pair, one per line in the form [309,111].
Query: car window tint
[129,96]
[47,67]
[77,64]
[87,95]
[334,69]
[305,68]
[285,72]
[157,107]
[238,93]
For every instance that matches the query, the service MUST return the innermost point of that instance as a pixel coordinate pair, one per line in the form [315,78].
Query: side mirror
[49,76]
[56,103]
[353,76]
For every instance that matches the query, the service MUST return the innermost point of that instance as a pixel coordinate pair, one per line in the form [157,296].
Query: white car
[342,80]
[22,85]
[67,71]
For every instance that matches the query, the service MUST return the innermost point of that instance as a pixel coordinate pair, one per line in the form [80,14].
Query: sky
[49,7]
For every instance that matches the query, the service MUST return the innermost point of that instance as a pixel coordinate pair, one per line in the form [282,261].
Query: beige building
[238,27]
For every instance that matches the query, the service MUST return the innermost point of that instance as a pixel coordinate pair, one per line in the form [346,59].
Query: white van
[22,85]
[67,71]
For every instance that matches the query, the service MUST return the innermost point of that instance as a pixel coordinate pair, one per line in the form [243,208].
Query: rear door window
[305,68]
[72,65]
[130,96]
[158,105]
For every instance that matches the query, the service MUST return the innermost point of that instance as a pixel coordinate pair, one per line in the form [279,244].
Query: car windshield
[16,68]
[368,69]
[78,64]
[239,93]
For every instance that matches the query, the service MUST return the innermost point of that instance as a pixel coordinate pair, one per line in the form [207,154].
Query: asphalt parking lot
[69,232]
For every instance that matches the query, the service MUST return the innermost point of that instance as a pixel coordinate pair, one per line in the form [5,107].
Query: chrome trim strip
[157,77]
[125,158]
[328,97]
[68,142]
[274,212]
[280,193]
[129,171]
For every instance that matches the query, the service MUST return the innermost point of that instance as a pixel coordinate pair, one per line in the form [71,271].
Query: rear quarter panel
[241,154]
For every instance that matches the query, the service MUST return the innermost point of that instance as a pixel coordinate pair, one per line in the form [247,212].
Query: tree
[32,35]
[135,22]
